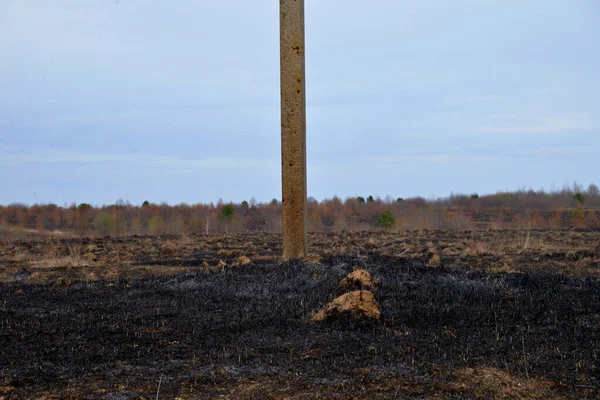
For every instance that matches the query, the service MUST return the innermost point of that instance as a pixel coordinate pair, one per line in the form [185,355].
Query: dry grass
[74,258]
[572,252]
[491,383]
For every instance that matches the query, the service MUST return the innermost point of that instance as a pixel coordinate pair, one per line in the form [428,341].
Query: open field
[464,315]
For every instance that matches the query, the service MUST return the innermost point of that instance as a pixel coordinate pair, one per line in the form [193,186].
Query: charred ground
[460,328]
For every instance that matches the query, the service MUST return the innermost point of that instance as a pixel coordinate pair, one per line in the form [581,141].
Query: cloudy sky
[178,101]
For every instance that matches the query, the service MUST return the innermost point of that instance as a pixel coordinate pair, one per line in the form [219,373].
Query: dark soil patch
[246,333]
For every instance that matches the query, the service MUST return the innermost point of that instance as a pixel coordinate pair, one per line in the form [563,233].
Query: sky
[178,101]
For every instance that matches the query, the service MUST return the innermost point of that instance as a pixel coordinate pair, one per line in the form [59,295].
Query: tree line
[569,207]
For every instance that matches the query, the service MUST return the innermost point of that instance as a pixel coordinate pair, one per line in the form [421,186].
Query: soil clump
[359,304]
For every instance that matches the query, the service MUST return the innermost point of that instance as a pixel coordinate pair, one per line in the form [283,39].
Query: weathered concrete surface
[293,128]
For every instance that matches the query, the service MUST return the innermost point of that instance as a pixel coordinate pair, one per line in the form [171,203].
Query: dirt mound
[359,304]
[358,279]
[371,244]
[168,250]
[434,260]
[242,260]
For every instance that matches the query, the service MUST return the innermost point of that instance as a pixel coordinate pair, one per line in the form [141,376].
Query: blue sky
[179,101]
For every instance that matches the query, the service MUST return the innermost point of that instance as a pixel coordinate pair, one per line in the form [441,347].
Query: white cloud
[135,160]
[511,124]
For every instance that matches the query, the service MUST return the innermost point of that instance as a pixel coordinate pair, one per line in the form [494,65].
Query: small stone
[21,275]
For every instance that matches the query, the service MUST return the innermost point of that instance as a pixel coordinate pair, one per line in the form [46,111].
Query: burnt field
[464,315]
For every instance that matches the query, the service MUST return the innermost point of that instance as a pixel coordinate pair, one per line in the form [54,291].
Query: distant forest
[521,209]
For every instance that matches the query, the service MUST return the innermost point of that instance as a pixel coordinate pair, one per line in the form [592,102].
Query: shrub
[227,212]
[386,220]
[197,224]
[136,225]
[84,206]
[577,216]
[104,224]
[18,232]
[156,225]
[226,215]
[176,225]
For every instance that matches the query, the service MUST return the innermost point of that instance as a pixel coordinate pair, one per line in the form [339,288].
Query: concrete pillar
[293,128]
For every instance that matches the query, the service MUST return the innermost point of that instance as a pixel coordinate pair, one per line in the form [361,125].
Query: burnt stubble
[246,332]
